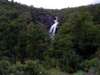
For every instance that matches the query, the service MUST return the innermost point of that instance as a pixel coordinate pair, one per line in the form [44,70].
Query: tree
[3,0]
[85,34]
[77,38]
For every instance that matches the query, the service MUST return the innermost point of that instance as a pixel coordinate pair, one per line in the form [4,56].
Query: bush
[29,68]
[87,64]
[4,66]
[98,68]
[80,73]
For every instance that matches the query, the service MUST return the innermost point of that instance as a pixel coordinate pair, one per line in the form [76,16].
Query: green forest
[27,49]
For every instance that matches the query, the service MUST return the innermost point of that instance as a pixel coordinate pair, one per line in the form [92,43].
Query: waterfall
[53,28]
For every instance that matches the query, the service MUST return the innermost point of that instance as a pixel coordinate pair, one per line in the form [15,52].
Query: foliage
[80,73]
[24,36]
[88,64]
[29,68]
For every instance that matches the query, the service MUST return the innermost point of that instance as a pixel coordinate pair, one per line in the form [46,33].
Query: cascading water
[53,28]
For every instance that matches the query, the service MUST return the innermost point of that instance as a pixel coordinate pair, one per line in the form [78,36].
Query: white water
[53,28]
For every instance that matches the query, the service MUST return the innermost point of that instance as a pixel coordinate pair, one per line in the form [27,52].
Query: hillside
[27,49]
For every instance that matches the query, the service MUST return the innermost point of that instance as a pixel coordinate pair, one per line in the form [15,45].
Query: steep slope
[25,45]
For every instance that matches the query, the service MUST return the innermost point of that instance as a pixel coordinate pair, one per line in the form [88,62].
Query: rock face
[41,16]
[46,19]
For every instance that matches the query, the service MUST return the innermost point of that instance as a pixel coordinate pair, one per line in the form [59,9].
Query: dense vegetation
[26,49]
